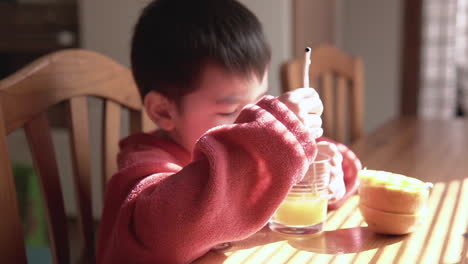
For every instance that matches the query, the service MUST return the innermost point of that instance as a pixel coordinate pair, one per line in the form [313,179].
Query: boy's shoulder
[151,146]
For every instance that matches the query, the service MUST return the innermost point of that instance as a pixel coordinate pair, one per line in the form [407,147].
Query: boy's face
[217,101]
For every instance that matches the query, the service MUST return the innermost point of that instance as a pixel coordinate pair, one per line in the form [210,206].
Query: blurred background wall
[370,29]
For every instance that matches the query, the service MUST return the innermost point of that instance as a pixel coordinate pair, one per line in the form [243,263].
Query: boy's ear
[160,110]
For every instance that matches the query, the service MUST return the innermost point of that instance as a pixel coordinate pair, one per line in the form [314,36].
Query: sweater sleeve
[351,166]
[239,175]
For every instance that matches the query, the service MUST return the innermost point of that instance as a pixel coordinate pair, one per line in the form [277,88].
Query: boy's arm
[239,176]
[350,165]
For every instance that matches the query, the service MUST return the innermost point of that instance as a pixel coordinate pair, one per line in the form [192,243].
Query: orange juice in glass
[304,209]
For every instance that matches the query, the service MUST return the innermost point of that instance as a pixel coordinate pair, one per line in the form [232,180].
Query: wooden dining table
[431,150]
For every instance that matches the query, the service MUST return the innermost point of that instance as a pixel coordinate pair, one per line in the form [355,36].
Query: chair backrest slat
[147,123]
[79,128]
[357,123]
[327,96]
[341,104]
[292,75]
[136,121]
[139,120]
[42,151]
[110,139]
[11,230]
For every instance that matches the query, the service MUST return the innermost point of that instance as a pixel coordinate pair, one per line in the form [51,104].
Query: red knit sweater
[165,207]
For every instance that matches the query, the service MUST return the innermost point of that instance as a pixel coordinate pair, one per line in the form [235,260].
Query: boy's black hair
[173,39]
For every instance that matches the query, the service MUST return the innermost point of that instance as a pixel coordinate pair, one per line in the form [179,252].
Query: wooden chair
[69,77]
[339,79]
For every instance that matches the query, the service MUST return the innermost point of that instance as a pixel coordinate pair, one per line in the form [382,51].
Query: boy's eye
[228,114]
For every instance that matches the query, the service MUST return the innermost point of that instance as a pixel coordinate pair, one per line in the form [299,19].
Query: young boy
[225,155]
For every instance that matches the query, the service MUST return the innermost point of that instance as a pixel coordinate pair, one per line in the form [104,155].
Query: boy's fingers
[331,150]
[302,93]
[311,106]
[305,92]
[325,147]
[337,188]
[316,132]
[312,121]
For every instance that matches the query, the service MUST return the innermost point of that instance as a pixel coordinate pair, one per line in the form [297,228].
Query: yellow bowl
[391,223]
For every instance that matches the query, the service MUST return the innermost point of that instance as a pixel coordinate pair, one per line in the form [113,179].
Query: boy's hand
[337,187]
[306,104]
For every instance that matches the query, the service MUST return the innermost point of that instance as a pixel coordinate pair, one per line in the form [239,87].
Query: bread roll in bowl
[390,223]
